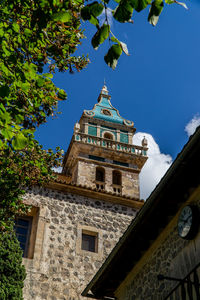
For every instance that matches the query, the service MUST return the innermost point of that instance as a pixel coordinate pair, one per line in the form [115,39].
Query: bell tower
[101,155]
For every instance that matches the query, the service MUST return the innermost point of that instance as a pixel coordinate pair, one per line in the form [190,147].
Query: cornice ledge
[97,195]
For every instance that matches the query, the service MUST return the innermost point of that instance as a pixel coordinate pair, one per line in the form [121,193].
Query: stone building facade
[60,268]
[171,257]
[76,220]
[158,257]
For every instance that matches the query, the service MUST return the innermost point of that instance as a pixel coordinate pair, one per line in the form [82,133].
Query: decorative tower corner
[101,154]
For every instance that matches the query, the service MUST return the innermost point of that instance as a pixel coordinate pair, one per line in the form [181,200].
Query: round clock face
[185,222]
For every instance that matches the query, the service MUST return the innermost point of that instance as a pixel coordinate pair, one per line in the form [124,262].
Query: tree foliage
[34,34]
[21,169]
[37,38]
[12,273]
[122,11]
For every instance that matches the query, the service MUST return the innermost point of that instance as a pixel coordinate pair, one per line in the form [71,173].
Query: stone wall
[170,256]
[86,175]
[60,269]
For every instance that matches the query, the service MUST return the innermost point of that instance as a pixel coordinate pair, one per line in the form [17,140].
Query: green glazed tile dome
[104,110]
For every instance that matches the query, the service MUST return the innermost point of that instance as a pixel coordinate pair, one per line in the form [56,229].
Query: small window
[26,230]
[89,241]
[106,112]
[117,178]
[108,136]
[100,174]
[23,229]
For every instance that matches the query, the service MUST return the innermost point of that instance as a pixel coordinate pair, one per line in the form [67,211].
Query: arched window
[117,178]
[100,174]
[108,135]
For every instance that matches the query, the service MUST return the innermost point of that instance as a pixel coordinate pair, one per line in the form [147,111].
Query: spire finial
[104,88]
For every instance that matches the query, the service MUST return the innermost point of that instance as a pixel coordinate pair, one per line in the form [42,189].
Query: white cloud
[154,168]
[57,170]
[102,17]
[192,125]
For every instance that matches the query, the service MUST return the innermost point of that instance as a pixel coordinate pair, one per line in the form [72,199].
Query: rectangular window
[120,163]
[23,230]
[89,241]
[26,231]
[96,158]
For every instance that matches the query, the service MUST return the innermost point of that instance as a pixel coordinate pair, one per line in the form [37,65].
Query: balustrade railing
[117,189]
[109,144]
[100,185]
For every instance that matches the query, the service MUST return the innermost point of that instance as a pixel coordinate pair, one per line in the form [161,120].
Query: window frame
[34,215]
[90,234]
[27,243]
[117,174]
[98,255]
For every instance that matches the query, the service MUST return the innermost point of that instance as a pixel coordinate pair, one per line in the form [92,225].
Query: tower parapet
[101,154]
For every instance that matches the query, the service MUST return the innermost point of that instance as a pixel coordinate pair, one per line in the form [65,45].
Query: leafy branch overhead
[122,13]
[37,38]
[34,34]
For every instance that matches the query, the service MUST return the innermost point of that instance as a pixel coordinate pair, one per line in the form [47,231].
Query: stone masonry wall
[60,270]
[87,174]
[173,257]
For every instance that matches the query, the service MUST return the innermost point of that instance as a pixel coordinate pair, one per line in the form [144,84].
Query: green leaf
[139,5]
[115,40]
[27,32]
[19,141]
[5,48]
[100,36]
[1,32]
[169,1]
[7,133]
[48,75]
[85,13]
[93,20]
[40,81]
[111,58]
[62,95]
[96,8]
[2,108]
[124,11]
[122,45]
[91,10]
[62,16]
[16,27]
[1,144]
[155,11]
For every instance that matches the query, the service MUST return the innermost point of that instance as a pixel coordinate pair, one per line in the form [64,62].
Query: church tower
[101,154]
[78,218]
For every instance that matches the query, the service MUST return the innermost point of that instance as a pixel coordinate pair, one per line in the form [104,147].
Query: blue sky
[157,86]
